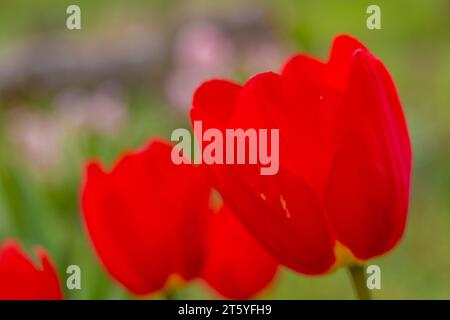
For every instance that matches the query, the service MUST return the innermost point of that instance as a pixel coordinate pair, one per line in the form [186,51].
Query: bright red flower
[149,219]
[22,279]
[236,265]
[341,194]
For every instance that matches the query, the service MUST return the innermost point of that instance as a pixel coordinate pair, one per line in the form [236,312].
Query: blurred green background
[128,74]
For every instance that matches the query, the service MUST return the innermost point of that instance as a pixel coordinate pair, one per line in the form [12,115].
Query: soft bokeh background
[68,96]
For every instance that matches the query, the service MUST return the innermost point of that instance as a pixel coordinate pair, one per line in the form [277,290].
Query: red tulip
[236,265]
[342,190]
[21,279]
[149,220]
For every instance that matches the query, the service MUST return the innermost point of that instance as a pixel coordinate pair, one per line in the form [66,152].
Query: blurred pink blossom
[103,111]
[39,137]
[36,137]
[201,51]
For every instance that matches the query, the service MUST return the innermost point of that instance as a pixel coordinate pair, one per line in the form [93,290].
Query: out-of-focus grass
[414,43]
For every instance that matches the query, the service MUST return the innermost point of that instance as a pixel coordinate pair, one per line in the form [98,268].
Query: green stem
[170,295]
[359,282]
[174,294]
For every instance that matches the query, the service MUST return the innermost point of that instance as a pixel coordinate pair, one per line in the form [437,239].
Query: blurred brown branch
[132,53]
[52,61]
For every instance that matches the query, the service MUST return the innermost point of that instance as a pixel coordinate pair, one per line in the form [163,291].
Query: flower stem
[359,282]
[171,295]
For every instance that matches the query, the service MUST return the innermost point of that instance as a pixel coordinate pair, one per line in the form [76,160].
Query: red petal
[20,279]
[335,72]
[304,66]
[145,218]
[285,216]
[303,111]
[213,103]
[281,211]
[237,266]
[368,191]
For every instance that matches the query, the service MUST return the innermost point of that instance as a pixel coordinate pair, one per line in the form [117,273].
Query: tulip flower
[146,218]
[341,194]
[149,222]
[22,279]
